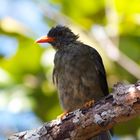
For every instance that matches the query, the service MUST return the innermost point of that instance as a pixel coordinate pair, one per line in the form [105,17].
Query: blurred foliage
[26,68]
[84,12]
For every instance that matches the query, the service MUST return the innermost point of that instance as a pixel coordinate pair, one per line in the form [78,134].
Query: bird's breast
[77,80]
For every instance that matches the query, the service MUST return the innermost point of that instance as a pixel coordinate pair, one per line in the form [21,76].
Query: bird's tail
[102,136]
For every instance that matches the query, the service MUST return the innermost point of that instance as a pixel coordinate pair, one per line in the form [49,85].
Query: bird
[79,73]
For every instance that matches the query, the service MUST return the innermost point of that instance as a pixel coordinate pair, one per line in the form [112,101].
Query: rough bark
[121,105]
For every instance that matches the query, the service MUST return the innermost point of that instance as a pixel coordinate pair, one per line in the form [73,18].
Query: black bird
[79,73]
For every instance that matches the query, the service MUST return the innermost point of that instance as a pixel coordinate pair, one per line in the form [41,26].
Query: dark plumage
[62,35]
[79,74]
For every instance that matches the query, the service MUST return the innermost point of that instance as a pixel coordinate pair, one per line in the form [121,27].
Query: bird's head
[58,37]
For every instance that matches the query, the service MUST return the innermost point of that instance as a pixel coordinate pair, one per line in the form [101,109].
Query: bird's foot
[89,104]
[61,116]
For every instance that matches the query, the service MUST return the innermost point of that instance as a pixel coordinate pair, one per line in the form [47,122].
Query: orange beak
[44,39]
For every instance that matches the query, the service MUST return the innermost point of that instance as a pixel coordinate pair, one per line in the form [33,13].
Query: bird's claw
[89,104]
[61,116]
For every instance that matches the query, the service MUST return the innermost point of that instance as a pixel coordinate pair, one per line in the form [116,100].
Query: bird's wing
[100,70]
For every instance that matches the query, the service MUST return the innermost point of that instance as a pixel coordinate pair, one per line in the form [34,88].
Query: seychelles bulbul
[78,73]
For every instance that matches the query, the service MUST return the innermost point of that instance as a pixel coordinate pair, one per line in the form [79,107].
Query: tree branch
[121,105]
